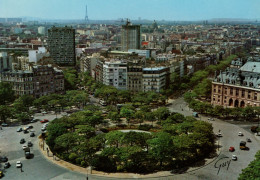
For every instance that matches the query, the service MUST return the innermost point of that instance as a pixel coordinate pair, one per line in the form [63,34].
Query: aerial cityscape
[129,89]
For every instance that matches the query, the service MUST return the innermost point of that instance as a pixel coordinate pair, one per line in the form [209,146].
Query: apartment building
[61,43]
[41,80]
[155,79]
[115,74]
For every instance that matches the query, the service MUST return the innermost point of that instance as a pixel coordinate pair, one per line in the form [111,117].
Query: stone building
[41,80]
[237,87]
[135,78]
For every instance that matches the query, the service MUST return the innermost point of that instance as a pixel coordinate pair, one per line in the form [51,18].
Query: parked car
[43,128]
[29,144]
[231,149]
[32,134]
[30,127]
[4,124]
[248,140]
[1,173]
[210,119]
[18,164]
[234,157]
[25,131]
[44,121]
[24,147]
[4,159]
[240,134]
[7,165]
[22,141]
[19,129]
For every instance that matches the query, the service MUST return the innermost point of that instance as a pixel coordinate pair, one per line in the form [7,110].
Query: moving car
[240,134]
[248,140]
[18,164]
[4,159]
[32,134]
[7,165]
[19,129]
[22,141]
[234,157]
[44,121]
[243,145]
[231,149]
[219,134]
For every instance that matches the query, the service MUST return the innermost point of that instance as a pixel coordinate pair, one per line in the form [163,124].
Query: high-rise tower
[130,36]
[61,43]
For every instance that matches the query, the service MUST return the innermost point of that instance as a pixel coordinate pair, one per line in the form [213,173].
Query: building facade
[135,78]
[5,62]
[115,74]
[61,43]
[155,79]
[237,87]
[130,37]
[41,80]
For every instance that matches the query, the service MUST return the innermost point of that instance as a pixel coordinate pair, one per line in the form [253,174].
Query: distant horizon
[43,19]
[168,10]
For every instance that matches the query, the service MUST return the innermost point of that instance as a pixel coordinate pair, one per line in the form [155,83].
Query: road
[42,169]
[230,138]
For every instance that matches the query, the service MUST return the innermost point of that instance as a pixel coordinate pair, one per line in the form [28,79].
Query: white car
[219,134]
[24,147]
[240,134]
[234,157]
[18,164]
[43,128]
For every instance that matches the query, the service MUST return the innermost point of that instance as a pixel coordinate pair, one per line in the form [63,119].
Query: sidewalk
[72,167]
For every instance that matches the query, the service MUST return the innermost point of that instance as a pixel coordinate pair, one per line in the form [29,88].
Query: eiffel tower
[86,15]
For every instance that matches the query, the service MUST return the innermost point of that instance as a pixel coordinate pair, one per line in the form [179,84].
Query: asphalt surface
[39,168]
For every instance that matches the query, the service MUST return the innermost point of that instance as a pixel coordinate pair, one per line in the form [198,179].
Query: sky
[173,10]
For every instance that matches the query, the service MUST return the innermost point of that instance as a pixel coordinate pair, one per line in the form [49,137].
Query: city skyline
[170,10]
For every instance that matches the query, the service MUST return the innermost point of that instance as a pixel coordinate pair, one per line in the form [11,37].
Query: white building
[115,74]
[142,53]
[5,62]
[36,55]
[155,79]
[41,30]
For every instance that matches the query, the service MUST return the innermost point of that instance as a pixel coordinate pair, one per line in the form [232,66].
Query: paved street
[42,169]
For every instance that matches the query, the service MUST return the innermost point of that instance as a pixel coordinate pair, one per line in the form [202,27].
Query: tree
[71,79]
[162,113]
[127,113]
[6,93]
[54,130]
[203,88]
[66,141]
[5,112]
[115,117]
[161,147]
[114,138]
[139,115]
[252,171]
[248,112]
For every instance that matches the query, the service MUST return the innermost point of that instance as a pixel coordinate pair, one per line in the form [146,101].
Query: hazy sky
[133,9]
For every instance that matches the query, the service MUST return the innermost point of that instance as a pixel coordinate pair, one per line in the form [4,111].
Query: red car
[44,121]
[231,149]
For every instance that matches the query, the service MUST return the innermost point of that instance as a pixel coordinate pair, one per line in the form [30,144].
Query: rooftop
[251,67]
